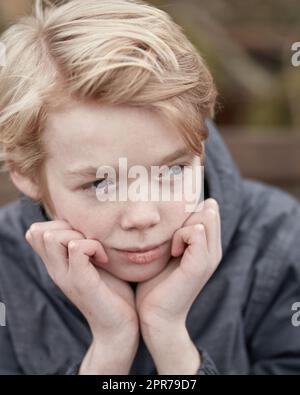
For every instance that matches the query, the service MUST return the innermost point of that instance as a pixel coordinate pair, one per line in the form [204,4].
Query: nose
[140,215]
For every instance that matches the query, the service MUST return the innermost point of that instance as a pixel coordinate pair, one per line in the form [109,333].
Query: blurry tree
[247,45]
[10,10]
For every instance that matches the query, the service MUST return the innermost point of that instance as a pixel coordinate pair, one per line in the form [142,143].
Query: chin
[141,274]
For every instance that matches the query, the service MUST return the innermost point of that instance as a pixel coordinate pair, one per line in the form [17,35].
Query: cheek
[193,187]
[95,223]
[89,217]
[175,214]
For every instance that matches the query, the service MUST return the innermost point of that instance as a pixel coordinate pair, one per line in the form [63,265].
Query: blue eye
[177,169]
[99,184]
[104,183]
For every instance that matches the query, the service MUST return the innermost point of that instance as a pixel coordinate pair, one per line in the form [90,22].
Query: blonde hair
[112,51]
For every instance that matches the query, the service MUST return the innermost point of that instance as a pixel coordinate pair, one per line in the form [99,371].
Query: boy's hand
[164,301]
[107,302]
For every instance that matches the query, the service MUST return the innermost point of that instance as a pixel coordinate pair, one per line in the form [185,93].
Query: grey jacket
[241,321]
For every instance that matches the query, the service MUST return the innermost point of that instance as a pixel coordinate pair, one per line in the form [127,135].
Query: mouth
[141,249]
[142,255]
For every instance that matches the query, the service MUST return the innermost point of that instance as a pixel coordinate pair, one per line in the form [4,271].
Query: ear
[25,184]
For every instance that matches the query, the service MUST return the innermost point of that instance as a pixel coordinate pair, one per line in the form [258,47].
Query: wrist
[173,351]
[160,334]
[114,356]
[125,330]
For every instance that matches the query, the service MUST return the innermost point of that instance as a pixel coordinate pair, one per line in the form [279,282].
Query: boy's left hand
[164,301]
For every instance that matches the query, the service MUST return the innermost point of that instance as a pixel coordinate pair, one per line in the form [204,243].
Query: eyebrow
[92,171]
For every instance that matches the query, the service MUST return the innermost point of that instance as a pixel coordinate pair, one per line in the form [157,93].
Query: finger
[91,248]
[34,234]
[80,267]
[213,233]
[188,238]
[197,216]
[213,204]
[56,249]
[44,225]
[195,261]
[194,219]
[211,222]
[216,247]
[186,281]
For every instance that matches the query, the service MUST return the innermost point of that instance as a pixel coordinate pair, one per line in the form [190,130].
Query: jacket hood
[224,183]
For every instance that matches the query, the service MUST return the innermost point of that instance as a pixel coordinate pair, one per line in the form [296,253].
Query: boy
[132,286]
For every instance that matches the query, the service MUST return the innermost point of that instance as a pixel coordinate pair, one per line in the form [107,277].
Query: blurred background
[247,45]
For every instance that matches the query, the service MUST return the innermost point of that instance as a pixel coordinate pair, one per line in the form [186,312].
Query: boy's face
[91,135]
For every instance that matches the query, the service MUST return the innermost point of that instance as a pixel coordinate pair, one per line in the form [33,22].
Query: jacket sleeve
[8,361]
[208,366]
[273,328]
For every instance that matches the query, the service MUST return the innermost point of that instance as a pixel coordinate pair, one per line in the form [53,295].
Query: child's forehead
[109,128]
[82,150]
[85,162]
[74,109]
[122,162]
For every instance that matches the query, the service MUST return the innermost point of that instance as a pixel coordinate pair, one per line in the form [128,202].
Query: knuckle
[217,205]
[212,212]
[63,222]
[199,229]
[34,228]
[28,235]
[73,245]
[48,235]
[214,204]
[197,234]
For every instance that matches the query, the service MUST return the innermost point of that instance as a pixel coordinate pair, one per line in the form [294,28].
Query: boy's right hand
[107,302]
